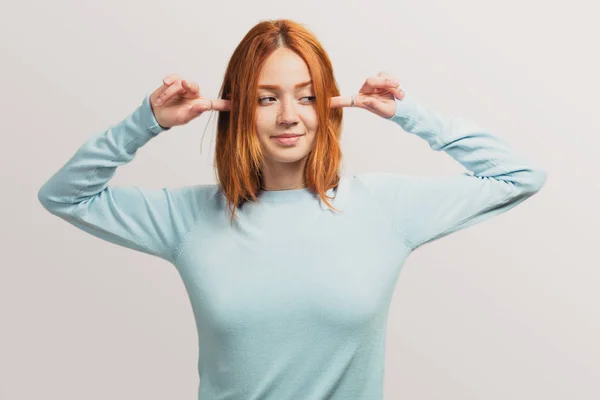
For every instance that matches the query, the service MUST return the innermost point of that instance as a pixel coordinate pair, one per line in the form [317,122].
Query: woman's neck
[284,176]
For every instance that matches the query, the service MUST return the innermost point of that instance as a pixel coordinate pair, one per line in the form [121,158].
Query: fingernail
[167,81]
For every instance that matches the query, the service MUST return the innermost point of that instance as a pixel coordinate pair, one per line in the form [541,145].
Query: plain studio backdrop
[507,309]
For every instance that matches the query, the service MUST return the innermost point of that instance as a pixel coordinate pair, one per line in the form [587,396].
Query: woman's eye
[268,99]
[262,99]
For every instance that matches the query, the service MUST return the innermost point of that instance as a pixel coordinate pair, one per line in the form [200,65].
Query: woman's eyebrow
[277,87]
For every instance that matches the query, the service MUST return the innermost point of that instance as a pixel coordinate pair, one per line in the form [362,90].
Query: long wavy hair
[238,155]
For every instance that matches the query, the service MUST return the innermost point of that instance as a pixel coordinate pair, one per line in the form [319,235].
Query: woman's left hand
[376,95]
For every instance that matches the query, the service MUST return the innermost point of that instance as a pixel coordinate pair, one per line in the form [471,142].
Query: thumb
[195,110]
[374,105]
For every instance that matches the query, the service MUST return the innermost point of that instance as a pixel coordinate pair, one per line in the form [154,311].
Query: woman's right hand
[177,102]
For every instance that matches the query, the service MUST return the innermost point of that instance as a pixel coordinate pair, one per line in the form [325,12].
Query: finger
[346,101]
[221,105]
[193,111]
[169,79]
[398,92]
[168,93]
[375,83]
[340,101]
[202,105]
[196,109]
[166,82]
[191,87]
[385,75]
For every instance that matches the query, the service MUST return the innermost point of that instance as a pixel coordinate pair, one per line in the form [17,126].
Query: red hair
[238,155]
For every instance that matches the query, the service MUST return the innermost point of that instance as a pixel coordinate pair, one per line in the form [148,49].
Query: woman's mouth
[287,139]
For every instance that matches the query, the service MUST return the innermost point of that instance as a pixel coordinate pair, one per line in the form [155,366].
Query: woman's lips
[289,140]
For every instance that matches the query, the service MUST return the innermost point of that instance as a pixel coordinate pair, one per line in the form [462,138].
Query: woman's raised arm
[427,208]
[151,221]
[423,209]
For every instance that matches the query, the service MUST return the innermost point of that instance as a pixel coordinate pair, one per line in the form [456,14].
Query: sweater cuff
[406,109]
[148,119]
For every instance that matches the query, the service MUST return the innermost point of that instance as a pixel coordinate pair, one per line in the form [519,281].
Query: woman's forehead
[298,85]
[285,69]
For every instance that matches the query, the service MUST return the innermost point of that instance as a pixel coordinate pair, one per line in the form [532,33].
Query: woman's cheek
[261,120]
[311,120]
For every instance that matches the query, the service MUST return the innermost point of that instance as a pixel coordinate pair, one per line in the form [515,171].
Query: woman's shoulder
[194,199]
[378,181]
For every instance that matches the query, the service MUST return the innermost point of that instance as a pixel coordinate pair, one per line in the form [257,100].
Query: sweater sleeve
[150,221]
[423,209]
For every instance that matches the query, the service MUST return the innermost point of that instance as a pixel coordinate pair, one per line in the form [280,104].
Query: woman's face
[286,105]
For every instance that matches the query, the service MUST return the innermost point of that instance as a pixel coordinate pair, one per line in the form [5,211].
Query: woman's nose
[288,114]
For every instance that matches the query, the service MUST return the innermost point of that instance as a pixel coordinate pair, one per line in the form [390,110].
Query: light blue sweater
[292,302]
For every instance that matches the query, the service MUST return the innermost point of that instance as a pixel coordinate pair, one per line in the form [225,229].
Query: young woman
[290,267]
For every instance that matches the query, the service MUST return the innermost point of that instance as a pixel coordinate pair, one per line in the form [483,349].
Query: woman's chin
[288,156]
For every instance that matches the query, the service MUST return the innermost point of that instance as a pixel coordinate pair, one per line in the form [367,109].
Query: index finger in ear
[212,104]
[221,105]
[340,101]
